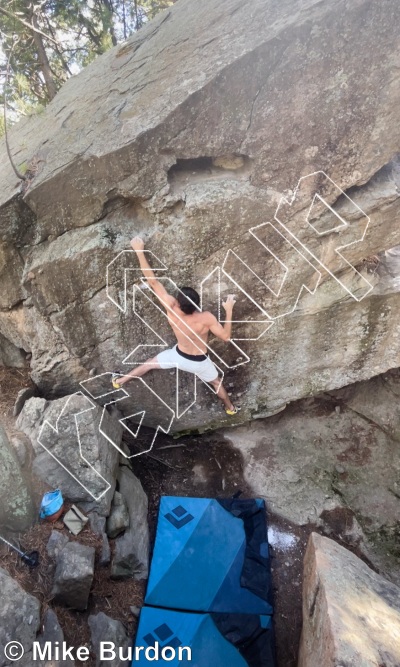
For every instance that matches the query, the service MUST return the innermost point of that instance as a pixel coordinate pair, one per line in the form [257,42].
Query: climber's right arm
[158,288]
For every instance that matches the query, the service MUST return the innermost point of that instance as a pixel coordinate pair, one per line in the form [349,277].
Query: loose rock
[74,575]
[135,611]
[57,542]
[98,525]
[22,448]
[23,396]
[52,633]
[118,520]
[106,629]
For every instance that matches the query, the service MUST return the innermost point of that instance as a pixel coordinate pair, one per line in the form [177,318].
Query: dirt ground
[201,466]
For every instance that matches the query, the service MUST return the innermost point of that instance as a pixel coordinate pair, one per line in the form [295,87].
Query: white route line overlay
[270,323]
[287,271]
[284,201]
[133,268]
[123,419]
[270,320]
[46,423]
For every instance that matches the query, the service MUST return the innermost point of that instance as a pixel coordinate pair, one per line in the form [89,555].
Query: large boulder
[198,124]
[351,615]
[333,460]
[17,507]
[19,616]
[131,553]
[73,452]
[378,400]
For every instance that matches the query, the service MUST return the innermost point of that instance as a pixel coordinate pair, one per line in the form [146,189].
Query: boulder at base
[17,509]
[73,452]
[351,615]
[19,615]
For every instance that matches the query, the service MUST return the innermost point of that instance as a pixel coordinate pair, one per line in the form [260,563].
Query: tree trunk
[110,9]
[44,61]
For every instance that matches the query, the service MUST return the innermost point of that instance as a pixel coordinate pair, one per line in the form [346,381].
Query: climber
[191,328]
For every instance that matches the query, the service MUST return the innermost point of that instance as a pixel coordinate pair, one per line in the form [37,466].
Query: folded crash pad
[211,556]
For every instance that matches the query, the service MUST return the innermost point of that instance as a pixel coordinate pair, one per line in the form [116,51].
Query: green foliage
[23,168]
[69,35]
[153,7]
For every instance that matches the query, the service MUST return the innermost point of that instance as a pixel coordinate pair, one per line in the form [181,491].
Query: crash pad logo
[314,237]
[163,634]
[181,518]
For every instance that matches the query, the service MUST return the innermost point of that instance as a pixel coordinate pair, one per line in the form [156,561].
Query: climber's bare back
[191,331]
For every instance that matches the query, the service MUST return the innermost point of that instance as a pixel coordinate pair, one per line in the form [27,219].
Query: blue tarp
[208,558]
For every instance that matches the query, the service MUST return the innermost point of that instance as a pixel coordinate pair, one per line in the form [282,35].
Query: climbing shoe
[235,410]
[114,380]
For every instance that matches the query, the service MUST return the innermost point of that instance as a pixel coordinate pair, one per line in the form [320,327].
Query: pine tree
[53,39]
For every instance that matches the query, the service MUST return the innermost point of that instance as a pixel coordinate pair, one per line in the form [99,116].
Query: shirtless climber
[191,328]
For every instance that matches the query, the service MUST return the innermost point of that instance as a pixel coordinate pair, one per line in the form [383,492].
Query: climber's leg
[223,395]
[151,364]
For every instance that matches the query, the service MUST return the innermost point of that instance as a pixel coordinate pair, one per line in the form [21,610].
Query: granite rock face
[351,615]
[198,125]
[377,400]
[334,460]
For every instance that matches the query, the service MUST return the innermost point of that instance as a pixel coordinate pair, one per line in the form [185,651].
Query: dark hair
[188,299]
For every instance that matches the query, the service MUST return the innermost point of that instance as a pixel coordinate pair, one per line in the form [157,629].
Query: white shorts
[205,370]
